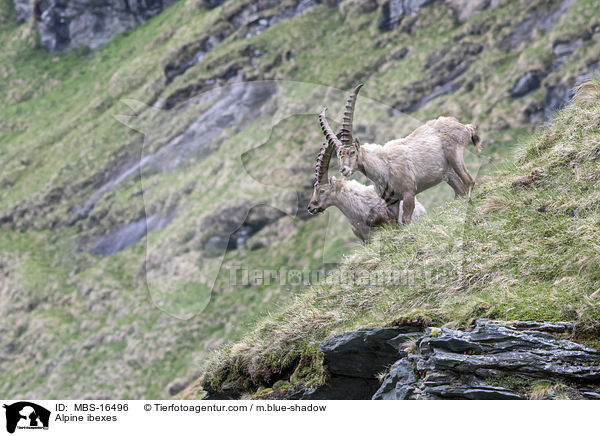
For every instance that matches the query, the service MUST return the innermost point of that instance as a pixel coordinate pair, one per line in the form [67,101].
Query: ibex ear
[356,143]
[332,180]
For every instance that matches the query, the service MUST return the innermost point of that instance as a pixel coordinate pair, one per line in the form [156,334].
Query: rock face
[119,239]
[495,360]
[22,10]
[442,74]
[340,388]
[354,360]
[558,95]
[364,353]
[465,9]
[527,83]
[226,233]
[537,18]
[394,10]
[452,364]
[244,21]
[64,24]
[233,106]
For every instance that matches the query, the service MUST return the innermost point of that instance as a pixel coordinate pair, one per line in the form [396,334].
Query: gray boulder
[366,352]
[454,364]
[354,359]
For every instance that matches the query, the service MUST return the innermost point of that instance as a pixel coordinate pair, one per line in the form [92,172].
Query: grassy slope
[525,247]
[58,130]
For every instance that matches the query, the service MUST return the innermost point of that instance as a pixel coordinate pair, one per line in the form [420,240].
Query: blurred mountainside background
[151,147]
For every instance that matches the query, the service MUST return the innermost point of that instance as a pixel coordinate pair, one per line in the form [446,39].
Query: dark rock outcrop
[225,393]
[559,94]
[565,48]
[211,4]
[465,9]
[394,10]
[188,56]
[64,24]
[340,388]
[22,10]
[354,360]
[494,360]
[528,82]
[366,352]
[230,227]
[442,74]
[453,364]
[557,97]
[249,19]
[536,18]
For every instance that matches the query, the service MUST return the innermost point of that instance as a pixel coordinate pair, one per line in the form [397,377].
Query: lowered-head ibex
[364,208]
[430,154]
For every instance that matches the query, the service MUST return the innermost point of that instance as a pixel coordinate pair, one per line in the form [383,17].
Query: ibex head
[322,196]
[346,146]
[324,186]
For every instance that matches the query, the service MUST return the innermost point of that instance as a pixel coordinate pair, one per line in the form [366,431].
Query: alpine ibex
[364,208]
[429,155]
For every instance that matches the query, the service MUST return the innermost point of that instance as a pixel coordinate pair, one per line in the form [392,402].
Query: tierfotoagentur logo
[25,415]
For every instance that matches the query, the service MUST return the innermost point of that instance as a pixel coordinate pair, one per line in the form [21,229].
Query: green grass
[522,248]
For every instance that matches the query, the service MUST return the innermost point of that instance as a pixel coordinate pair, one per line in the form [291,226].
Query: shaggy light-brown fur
[360,204]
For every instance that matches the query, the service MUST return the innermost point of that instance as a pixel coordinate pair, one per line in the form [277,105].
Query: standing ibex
[429,155]
[362,205]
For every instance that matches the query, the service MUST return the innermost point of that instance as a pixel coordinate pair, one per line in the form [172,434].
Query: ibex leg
[458,164]
[457,184]
[408,207]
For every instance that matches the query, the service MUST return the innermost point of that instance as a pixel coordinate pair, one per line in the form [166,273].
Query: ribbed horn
[332,138]
[322,167]
[325,154]
[346,129]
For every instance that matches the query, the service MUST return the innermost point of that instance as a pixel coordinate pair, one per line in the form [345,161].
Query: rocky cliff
[64,24]
[495,360]
[491,360]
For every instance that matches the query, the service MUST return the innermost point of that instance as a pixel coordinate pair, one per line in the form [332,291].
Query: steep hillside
[525,247]
[137,178]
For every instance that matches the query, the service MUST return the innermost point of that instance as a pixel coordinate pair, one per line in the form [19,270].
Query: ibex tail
[474,136]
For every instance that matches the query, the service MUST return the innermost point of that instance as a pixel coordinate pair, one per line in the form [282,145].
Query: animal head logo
[26,415]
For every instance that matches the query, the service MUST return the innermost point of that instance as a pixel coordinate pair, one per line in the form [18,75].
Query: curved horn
[331,137]
[322,167]
[323,159]
[325,154]
[346,129]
